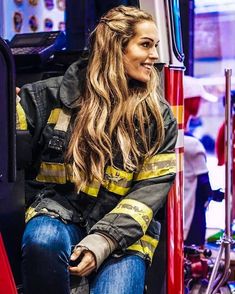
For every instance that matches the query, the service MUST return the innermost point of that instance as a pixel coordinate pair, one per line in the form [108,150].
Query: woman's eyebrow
[150,39]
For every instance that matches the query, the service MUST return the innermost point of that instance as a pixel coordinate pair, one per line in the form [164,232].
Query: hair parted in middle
[112,106]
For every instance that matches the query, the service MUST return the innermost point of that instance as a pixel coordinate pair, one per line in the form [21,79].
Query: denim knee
[45,239]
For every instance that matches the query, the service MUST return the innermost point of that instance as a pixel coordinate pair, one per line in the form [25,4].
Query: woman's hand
[89,253]
[17,96]
[86,263]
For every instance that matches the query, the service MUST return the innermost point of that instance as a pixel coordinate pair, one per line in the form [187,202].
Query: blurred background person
[220,153]
[197,188]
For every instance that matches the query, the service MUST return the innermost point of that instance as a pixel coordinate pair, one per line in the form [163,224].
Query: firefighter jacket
[126,205]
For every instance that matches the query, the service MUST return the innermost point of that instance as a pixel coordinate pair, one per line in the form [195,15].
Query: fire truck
[167,272]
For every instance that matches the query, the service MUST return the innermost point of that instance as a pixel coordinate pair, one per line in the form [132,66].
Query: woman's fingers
[87,263]
[17,97]
[76,253]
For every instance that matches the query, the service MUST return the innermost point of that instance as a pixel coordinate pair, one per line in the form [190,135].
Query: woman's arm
[130,219]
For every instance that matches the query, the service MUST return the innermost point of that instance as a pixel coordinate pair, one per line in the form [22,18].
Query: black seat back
[11,180]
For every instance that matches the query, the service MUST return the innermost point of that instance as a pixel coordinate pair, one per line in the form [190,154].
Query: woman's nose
[154,53]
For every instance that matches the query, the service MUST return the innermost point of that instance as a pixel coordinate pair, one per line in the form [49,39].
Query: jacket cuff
[101,246]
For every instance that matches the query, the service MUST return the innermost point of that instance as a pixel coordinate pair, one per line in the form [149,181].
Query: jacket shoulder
[39,98]
[166,111]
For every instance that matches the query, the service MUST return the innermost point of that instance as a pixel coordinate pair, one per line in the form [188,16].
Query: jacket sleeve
[36,102]
[130,219]
[33,106]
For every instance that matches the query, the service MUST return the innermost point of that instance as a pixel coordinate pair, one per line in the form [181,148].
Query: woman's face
[141,52]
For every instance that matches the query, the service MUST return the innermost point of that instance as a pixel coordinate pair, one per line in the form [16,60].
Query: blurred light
[210,6]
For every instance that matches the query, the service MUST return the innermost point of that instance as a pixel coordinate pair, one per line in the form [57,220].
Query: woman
[103,145]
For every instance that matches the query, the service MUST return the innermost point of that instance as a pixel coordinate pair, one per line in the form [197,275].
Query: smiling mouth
[147,65]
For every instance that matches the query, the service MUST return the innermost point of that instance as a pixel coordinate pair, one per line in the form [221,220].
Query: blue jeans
[46,247]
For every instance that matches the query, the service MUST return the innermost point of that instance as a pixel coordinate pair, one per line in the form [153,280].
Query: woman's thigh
[124,275]
[46,247]
[51,234]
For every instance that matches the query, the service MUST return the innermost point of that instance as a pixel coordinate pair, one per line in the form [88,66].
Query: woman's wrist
[100,245]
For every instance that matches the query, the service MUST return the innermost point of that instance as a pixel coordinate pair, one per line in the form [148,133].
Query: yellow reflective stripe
[69,172]
[30,213]
[155,174]
[140,212]
[92,189]
[112,187]
[146,245]
[52,172]
[140,248]
[117,181]
[21,122]
[118,174]
[60,173]
[54,115]
[156,166]
[150,240]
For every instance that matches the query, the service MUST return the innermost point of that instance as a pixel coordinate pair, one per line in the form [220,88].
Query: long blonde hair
[111,107]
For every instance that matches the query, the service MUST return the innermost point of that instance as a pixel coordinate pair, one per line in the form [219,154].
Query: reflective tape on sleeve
[157,166]
[30,213]
[146,245]
[140,212]
[21,122]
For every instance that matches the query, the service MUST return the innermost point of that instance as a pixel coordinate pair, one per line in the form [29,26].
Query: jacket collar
[73,83]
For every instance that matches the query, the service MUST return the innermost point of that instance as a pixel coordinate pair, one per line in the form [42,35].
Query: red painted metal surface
[7,283]
[233,169]
[175,277]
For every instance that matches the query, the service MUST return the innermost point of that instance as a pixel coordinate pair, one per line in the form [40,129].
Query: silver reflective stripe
[63,120]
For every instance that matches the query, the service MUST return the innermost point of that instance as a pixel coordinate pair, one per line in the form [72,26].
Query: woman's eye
[146,45]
